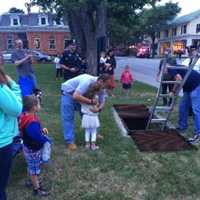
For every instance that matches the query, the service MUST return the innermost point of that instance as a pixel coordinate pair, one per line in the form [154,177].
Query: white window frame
[10,41]
[46,20]
[58,24]
[37,39]
[50,39]
[198,28]
[184,29]
[12,18]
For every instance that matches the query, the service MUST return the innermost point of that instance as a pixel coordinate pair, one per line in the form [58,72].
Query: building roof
[30,22]
[185,18]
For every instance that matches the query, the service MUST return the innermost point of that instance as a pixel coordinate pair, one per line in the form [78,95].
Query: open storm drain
[134,118]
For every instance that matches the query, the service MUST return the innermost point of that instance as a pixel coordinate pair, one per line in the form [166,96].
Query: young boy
[34,139]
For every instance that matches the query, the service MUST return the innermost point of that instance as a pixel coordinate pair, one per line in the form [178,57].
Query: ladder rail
[190,68]
[179,85]
[157,95]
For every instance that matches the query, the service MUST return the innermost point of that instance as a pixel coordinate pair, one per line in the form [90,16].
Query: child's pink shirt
[126,77]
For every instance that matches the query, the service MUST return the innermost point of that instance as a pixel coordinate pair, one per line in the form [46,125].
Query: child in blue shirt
[34,139]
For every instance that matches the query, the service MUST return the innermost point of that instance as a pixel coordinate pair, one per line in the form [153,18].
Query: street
[143,69]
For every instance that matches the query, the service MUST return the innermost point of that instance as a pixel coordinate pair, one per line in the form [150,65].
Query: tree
[15,10]
[87,20]
[155,18]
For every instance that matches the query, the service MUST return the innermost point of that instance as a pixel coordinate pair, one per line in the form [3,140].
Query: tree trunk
[76,30]
[86,26]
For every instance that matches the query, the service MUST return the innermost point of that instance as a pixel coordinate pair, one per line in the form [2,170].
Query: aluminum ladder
[167,110]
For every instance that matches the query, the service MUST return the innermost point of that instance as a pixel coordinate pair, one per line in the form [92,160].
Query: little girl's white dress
[89,118]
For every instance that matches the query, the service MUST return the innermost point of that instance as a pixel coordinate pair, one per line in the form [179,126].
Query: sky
[186,5]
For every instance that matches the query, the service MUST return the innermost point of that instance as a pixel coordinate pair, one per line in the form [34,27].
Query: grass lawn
[118,171]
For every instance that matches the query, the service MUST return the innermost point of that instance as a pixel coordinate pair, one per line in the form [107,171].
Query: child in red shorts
[126,80]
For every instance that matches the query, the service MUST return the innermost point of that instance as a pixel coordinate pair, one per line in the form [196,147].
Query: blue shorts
[33,160]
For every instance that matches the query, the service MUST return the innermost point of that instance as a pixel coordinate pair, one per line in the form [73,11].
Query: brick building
[39,31]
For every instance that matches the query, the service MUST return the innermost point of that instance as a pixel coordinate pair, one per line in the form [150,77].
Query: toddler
[90,119]
[126,80]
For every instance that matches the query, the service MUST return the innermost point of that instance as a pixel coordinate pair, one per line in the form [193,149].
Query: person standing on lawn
[126,80]
[110,66]
[70,61]
[58,67]
[191,92]
[10,109]
[90,120]
[23,62]
[73,92]
[34,138]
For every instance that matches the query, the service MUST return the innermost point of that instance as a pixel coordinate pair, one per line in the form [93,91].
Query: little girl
[90,119]
[126,80]
[34,139]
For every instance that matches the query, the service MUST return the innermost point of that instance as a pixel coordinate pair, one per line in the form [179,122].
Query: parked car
[7,56]
[40,56]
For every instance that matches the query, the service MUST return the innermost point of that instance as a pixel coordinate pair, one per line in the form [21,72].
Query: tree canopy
[15,10]
[91,19]
[154,19]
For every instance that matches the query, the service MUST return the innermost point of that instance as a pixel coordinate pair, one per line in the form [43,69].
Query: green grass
[118,171]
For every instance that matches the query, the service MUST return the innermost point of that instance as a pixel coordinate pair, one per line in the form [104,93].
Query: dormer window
[58,22]
[43,20]
[15,21]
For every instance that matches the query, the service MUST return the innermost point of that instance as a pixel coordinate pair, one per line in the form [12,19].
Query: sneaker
[40,192]
[71,147]
[195,139]
[94,147]
[87,146]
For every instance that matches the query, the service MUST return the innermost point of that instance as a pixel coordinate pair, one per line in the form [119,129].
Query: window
[198,28]
[158,34]
[174,31]
[10,42]
[15,21]
[43,21]
[37,42]
[52,43]
[184,29]
[66,43]
[1,42]
[166,33]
